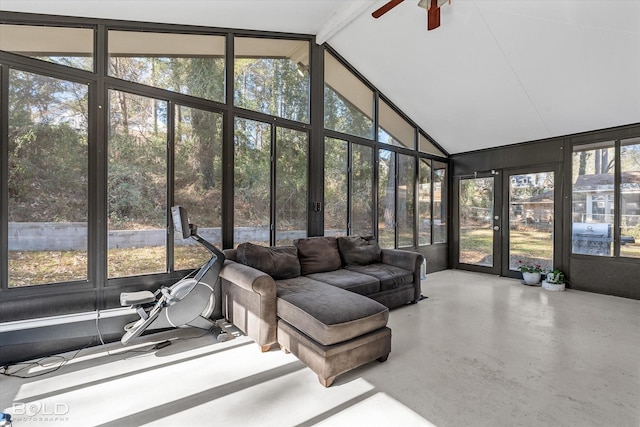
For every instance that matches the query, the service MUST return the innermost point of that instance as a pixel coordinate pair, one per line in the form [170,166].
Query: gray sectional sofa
[325,299]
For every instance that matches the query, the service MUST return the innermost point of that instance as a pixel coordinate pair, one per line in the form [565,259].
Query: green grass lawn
[476,246]
[42,267]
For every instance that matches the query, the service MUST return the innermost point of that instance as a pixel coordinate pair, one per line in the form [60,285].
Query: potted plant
[530,273]
[554,281]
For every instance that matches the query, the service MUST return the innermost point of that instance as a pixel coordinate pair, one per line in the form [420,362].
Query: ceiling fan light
[426,4]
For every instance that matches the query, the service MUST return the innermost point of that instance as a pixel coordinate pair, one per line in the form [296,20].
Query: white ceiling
[496,72]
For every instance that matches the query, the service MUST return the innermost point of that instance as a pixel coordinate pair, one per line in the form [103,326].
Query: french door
[506,219]
[477,237]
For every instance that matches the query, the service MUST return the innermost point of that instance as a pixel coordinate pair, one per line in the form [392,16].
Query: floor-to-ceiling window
[424,202]
[48,180]
[136,185]
[198,180]
[111,123]
[271,161]
[336,187]
[440,202]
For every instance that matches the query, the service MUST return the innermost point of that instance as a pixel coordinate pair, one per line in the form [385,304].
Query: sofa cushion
[318,254]
[359,250]
[326,313]
[353,281]
[390,276]
[278,262]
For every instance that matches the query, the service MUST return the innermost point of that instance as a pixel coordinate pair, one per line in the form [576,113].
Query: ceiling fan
[432,7]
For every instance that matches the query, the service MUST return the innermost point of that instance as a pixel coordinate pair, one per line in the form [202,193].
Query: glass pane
[476,224]
[48,177]
[593,199]
[252,182]
[426,146]
[191,64]
[630,198]
[386,199]
[291,185]
[198,181]
[348,103]
[137,185]
[424,202]
[272,77]
[72,47]
[439,202]
[394,130]
[361,190]
[531,208]
[336,162]
[406,200]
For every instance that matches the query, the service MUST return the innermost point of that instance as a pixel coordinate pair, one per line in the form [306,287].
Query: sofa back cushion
[356,250]
[278,262]
[318,254]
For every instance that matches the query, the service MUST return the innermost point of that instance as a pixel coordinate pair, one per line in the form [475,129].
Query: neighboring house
[593,198]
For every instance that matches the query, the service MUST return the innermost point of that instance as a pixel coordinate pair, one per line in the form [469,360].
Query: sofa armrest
[249,278]
[404,259]
[408,260]
[249,302]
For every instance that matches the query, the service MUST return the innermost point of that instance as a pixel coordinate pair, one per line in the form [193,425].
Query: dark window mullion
[617,218]
[349,194]
[171,173]
[4,177]
[272,202]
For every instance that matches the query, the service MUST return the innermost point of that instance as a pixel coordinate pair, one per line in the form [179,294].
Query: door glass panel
[386,199]
[48,180]
[336,163]
[137,185]
[198,181]
[593,199]
[630,198]
[531,209]
[252,182]
[476,221]
[291,185]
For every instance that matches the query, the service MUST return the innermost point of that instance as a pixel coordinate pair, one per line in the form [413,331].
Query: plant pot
[553,286]
[531,278]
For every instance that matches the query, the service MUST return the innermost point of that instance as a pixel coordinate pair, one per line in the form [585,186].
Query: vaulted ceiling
[496,72]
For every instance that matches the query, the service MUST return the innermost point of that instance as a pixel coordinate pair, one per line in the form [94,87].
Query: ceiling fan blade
[433,16]
[386,8]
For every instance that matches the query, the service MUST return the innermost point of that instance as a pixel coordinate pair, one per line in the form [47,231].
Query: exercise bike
[188,302]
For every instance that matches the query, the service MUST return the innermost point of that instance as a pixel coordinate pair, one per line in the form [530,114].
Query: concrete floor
[480,351]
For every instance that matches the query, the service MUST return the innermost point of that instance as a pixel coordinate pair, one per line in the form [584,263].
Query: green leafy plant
[556,276]
[529,268]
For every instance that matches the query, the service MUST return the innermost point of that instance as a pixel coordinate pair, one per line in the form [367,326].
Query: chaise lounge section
[325,299]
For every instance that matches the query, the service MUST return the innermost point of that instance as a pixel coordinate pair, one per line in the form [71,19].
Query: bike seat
[136,298]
